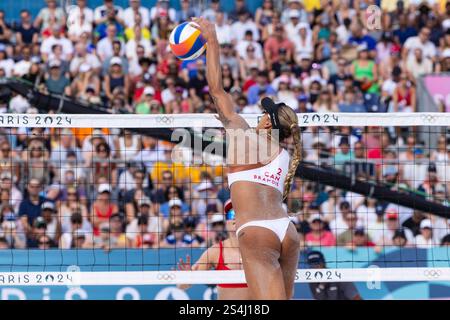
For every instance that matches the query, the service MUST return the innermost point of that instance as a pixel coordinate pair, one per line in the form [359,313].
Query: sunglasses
[44,242]
[230,215]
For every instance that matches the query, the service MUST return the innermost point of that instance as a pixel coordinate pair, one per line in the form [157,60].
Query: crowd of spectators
[84,188]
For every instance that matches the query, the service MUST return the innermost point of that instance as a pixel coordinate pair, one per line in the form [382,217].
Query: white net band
[371,274]
[210,121]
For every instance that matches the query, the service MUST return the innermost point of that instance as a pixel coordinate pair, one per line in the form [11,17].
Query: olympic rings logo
[166,276]
[432,273]
[428,118]
[164,120]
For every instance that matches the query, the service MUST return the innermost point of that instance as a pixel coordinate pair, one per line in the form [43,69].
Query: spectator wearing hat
[116,78]
[294,18]
[365,70]
[216,229]
[56,82]
[147,100]
[329,290]
[318,236]
[86,85]
[49,215]
[38,229]
[176,212]
[103,207]
[431,183]
[303,42]
[425,239]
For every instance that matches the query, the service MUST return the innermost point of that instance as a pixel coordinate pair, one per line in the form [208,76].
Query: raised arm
[222,100]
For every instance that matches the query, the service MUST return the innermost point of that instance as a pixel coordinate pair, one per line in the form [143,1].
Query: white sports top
[272,174]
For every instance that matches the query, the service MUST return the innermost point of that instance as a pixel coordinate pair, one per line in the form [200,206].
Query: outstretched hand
[207,28]
[185,266]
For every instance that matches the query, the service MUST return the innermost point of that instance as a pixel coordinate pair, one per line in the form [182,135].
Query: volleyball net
[95,200]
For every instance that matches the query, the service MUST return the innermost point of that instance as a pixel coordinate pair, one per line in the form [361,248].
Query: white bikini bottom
[278,226]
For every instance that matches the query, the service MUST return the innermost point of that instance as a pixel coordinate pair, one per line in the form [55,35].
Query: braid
[295,132]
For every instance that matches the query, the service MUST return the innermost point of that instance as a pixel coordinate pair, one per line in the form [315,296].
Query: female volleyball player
[222,256]
[269,243]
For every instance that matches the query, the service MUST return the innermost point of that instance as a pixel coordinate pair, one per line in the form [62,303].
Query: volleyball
[186,42]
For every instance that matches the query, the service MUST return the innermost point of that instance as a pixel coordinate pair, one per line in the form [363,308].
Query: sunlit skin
[270,265]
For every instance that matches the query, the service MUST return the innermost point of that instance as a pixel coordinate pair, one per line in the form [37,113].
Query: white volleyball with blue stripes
[187,42]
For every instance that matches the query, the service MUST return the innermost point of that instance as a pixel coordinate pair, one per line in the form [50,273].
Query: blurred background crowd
[84,188]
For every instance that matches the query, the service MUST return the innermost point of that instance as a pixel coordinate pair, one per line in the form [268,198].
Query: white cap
[305,55]
[217,217]
[54,63]
[104,187]
[149,90]
[175,202]
[79,233]
[294,14]
[204,185]
[115,60]
[425,223]
[302,25]
[84,67]
[315,216]
[145,200]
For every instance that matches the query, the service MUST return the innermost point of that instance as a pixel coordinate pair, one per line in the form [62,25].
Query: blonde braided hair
[289,126]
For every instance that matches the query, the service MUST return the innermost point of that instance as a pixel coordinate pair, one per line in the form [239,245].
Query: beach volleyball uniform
[272,174]
[221,266]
